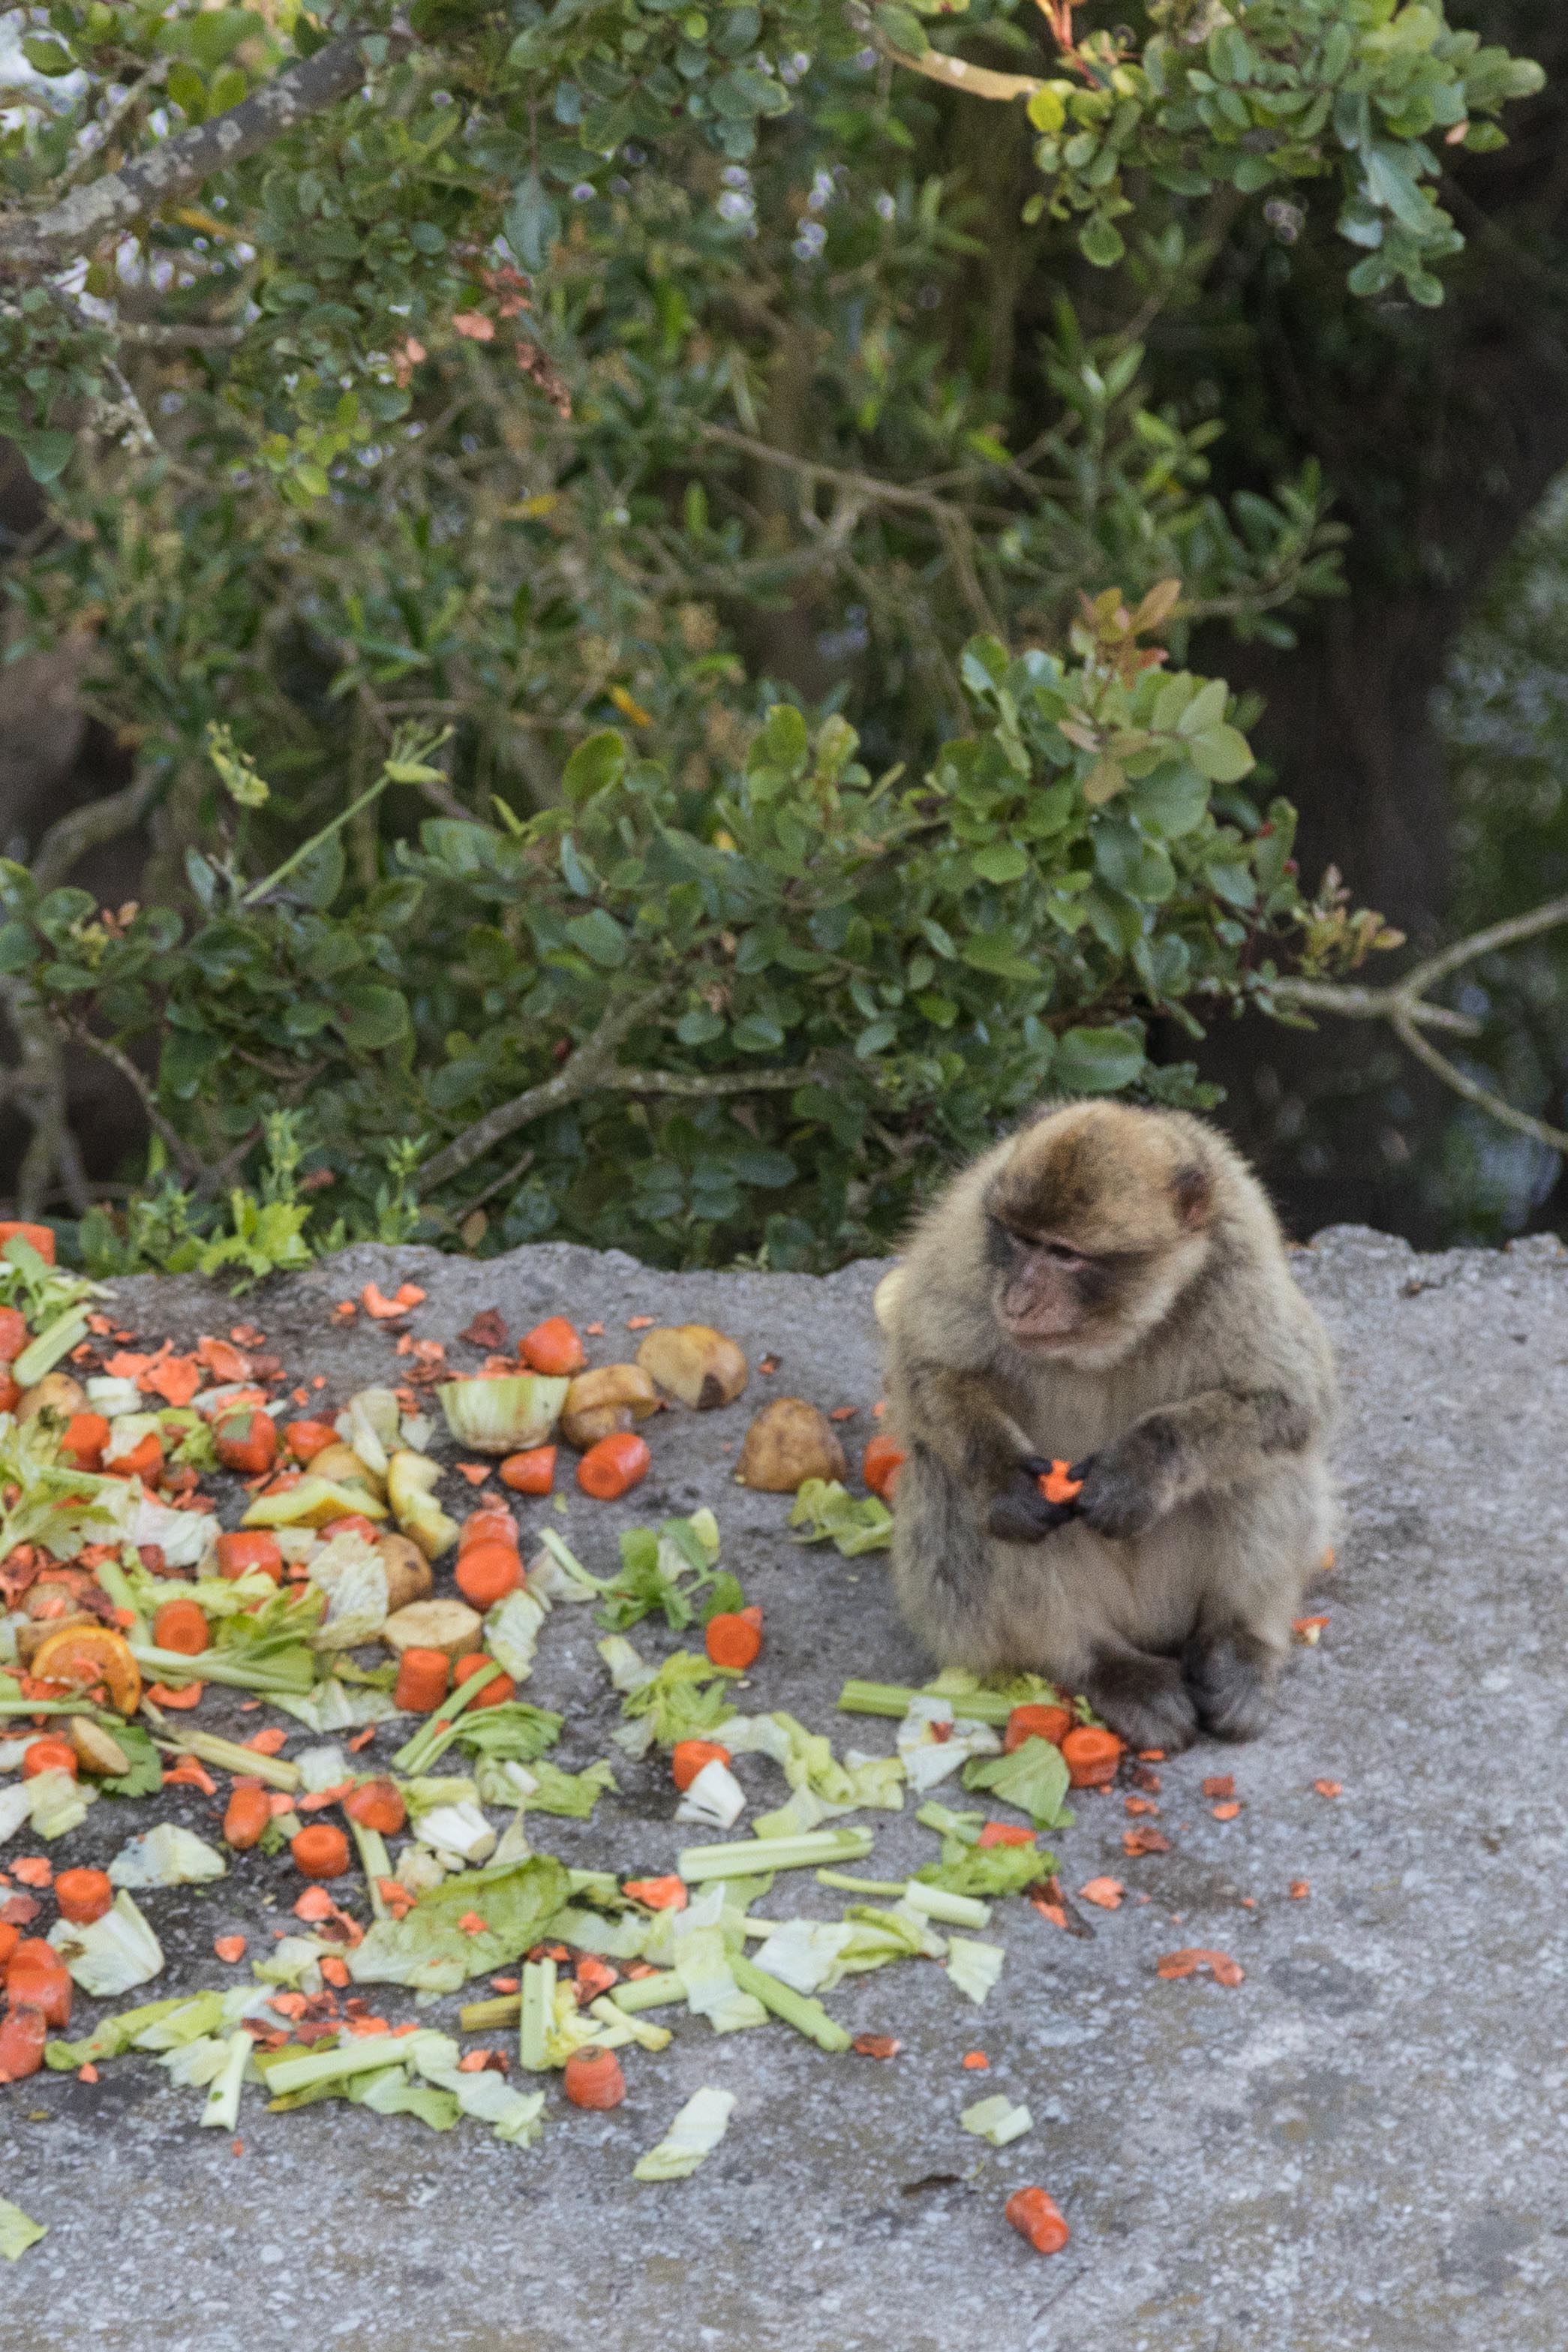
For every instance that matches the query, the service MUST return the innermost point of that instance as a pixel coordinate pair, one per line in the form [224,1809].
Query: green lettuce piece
[897,1934]
[974,1967]
[824,1509]
[511,1732]
[590,1931]
[703,1964]
[690,2139]
[999,1870]
[684,1699]
[113,1954]
[666,1568]
[330,1707]
[515,2116]
[997,2120]
[430,1951]
[16,2232]
[167,1855]
[1034,1778]
[512,1631]
[113,2036]
[390,2093]
[571,1794]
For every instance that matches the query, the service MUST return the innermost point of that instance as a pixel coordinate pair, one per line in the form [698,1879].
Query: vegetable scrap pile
[181,1536]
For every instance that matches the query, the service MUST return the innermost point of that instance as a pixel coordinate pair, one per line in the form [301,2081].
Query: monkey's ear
[1193,1194]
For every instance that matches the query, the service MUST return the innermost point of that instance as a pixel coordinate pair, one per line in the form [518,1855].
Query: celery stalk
[537,2016]
[113,1579]
[649,1992]
[841,1878]
[361,2056]
[895,1698]
[696,1863]
[175,1668]
[479,2016]
[807,2016]
[621,2025]
[429,1741]
[221,2112]
[952,1910]
[273,1771]
[42,1354]
[376,1864]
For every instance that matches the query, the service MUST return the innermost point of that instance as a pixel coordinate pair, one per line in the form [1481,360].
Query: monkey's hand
[1019,1512]
[1130,1485]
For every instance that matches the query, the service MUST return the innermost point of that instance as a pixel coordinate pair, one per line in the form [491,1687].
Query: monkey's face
[1093,1227]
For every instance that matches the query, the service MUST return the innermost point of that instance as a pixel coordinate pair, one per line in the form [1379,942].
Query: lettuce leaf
[433,1952]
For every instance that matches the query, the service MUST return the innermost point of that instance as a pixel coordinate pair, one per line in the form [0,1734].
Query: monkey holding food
[1109,1285]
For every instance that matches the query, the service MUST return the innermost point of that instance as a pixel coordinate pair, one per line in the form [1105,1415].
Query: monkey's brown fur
[1111,1284]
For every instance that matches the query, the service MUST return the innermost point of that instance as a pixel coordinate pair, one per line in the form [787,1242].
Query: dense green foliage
[635,398]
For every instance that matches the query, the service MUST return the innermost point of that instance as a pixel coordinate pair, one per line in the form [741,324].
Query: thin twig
[1351,1001]
[1405,1029]
[179,1151]
[70,838]
[957,73]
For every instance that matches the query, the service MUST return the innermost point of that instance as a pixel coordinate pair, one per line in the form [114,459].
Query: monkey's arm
[961,1417]
[1218,1439]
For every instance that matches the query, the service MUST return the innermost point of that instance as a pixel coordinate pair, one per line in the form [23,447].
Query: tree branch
[1407,1012]
[77,224]
[179,1151]
[70,838]
[957,73]
[593,1069]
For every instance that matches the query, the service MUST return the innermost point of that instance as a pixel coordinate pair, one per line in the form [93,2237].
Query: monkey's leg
[1230,1674]
[1144,1698]
[945,1567]
[1255,1551]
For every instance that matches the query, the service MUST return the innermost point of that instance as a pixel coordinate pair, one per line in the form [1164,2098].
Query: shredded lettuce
[715,1797]
[113,1954]
[167,1855]
[703,1964]
[691,2137]
[16,2232]
[431,1951]
[461,1831]
[1034,1778]
[998,1870]
[666,1568]
[58,1802]
[823,1509]
[807,1953]
[512,1630]
[930,1744]
[683,1700]
[330,1707]
[352,1572]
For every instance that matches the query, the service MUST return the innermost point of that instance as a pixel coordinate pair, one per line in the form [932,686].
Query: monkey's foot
[1229,1676]
[1145,1699]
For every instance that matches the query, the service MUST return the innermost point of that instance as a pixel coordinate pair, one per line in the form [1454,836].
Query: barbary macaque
[1110,1286]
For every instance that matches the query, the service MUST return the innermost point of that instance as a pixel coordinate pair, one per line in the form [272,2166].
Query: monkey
[1108,1286]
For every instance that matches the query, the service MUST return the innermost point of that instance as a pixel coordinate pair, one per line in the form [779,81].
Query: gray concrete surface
[1362,2145]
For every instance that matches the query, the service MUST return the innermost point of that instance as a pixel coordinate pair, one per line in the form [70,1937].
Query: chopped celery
[229,1756]
[42,1354]
[699,1863]
[649,1992]
[622,2025]
[356,2057]
[997,2120]
[17,2232]
[221,2112]
[973,1967]
[893,1698]
[951,1910]
[536,2015]
[691,2137]
[175,1668]
[797,2009]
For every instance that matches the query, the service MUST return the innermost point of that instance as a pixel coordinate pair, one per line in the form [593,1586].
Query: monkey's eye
[1060,1255]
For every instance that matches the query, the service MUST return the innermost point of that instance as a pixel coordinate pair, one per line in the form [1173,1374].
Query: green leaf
[46,452]
[781,741]
[597,762]
[530,224]
[1096,1061]
[370,1017]
[600,937]
[1005,861]
[45,57]
[1222,754]
[1101,242]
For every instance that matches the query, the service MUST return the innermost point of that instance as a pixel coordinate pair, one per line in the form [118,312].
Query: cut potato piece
[313,1503]
[695,1363]
[97,1750]
[32,1634]
[449,1626]
[411,1480]
[408,1576]
[56,1392]
[344,1468]
[602,1402]
[789,1442]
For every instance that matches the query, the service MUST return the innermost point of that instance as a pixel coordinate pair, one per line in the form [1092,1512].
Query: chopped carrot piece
[22,2038]
[423,1677]
[247,1817]
[1005,1833]
[83,1896]
[491,1523]
[378,1805]
[532,1473]
[1105,1894]
[183,1699]
[32,1870]
[382,1309]
[1052,1723]
[1225,1812]
[87,1435]
[320,1851]
[730,1641]
[876,2045]
[1039,2217]
[247,1442]
[615,1465]
[880,1465]
[976,2061]
[229,1947]
[554,1347]
[308,1438]
[1220,1965]
[657,1894]
[248,1549]
[1058,1486]
[12,1334]
[37,1978]
[1092,1756]
[188,1774]
[1328,1788]
[1299,1890]
[42,1237]
[688,1757]
[487,1572]
[48,1756]
[181,1625]
[592,2078]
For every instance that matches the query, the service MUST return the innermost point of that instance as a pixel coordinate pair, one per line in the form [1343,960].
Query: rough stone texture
[1360,2146]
